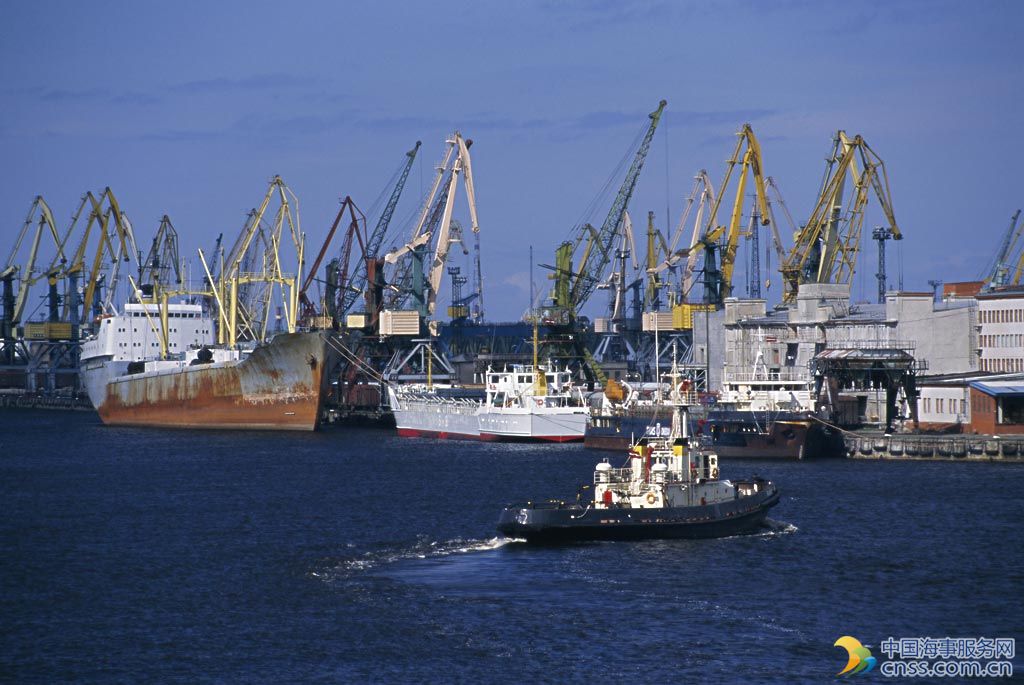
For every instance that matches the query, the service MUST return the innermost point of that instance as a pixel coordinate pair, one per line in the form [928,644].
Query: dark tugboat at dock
[669,488]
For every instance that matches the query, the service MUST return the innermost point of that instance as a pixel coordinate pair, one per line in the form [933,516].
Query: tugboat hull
[557,522]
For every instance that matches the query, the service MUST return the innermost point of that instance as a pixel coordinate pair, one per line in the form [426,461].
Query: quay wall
[935,447]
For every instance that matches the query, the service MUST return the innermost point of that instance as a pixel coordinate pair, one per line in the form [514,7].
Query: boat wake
[772,528]
[422,549]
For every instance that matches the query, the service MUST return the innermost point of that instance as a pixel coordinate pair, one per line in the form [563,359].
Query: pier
[935,447]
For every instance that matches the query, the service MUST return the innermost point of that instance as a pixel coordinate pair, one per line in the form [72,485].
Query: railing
[870,345]
[786,374]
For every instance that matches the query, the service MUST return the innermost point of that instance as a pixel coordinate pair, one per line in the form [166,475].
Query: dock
[1008,448]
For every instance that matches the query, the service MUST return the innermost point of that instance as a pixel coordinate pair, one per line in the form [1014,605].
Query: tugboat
[669,488]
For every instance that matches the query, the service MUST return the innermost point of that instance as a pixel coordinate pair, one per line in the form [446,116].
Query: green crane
[575,285]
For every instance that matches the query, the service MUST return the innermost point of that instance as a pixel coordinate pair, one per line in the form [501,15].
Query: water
[143,555]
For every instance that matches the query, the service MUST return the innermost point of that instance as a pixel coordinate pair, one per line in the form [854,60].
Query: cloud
[98,95]
[593,14]
[735,117]
[182,135]
[248,83]
[520,280]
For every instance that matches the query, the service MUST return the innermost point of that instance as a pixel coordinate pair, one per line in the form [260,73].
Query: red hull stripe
[443,435]
[487,437]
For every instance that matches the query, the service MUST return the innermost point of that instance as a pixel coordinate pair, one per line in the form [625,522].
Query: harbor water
[353,555]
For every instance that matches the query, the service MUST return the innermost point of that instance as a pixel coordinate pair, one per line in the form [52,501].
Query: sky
[190,108]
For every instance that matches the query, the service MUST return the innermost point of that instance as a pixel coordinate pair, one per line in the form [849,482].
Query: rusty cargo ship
[277,385]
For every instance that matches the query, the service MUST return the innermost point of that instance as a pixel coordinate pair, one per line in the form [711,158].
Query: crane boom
[1000,271]
[597,254]
[464,167]
[381,229]
[376,239]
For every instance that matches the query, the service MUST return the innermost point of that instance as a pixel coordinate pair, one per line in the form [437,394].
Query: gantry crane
[376,239]
[26,274]
[255,259]
[825,250]
[344,284]
[337,269]
[575,284]
[161,269]
[1006,267]
[725,238]
[23,270]
[701,196]
[433,228]
[115,245]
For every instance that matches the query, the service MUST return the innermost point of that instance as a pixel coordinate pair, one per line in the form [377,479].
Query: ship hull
[770,435]
[619,431]
[444,420]
[566,425]
[572,523]
[733,434]
[279,386]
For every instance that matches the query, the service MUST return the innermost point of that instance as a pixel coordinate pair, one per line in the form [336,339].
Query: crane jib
[598,252]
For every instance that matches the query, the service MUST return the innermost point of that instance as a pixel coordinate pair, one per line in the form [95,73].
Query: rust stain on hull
[280,386]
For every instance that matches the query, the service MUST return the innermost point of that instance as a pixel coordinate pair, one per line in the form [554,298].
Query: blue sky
[190,108]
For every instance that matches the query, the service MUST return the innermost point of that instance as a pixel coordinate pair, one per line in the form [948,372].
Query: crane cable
[352,358]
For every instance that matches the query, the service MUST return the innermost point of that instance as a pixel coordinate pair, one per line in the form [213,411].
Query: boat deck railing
[625,476]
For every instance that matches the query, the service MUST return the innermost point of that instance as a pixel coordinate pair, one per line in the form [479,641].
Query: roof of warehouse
[1002,389]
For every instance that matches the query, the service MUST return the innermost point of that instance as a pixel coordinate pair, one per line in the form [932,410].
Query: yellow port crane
[825,249]
[718,279]
[245,287]
[26,273]
[114,240]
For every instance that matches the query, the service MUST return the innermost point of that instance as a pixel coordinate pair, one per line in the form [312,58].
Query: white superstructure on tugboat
[669,488]
[522,403]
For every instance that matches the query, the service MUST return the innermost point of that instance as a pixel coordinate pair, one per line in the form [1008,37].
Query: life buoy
[714,472]
[651,498]
[538,401]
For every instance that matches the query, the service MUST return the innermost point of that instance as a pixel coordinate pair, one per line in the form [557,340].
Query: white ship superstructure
[133,336]
[518,404]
